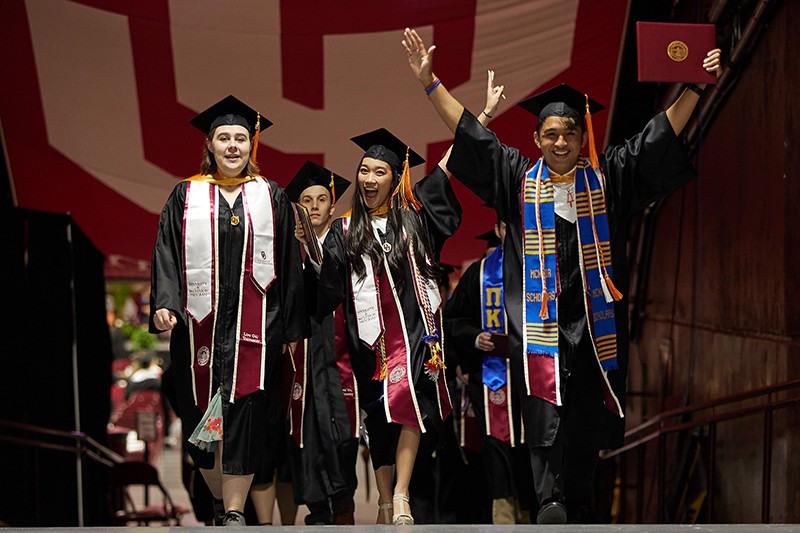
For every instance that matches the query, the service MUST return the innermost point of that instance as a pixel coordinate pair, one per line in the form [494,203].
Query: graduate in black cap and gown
[381,264]
[324,412]
[568,335]
[473,315]
[226,279]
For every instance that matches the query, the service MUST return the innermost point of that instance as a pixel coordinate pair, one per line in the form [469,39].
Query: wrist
[489,114]
[432,86]
[427,79]
[698,88]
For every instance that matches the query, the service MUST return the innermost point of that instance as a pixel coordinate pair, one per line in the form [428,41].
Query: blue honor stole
[540,333]
[493,316]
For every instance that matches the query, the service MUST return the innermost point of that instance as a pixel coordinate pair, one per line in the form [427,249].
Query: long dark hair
[360,239]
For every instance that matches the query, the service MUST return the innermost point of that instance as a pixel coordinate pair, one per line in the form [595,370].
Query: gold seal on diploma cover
[677,51]
[235,220]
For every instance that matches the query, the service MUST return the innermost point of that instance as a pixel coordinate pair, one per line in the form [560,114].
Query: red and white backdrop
[96,94]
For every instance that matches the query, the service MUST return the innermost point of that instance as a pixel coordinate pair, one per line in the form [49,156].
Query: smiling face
[560,141]
[317,199]
[230,146]
[374,181]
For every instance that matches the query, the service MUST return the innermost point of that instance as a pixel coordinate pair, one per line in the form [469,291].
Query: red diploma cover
[500,341]
[674,52]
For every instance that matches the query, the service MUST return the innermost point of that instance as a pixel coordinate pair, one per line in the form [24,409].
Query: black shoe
[219,511]
[552,513]
[233,518]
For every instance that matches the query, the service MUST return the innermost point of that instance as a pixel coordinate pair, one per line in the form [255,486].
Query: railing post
[660,476]
[712,465]
[640,485]
[767,468]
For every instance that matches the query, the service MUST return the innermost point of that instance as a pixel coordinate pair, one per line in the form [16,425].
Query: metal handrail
[79,442]
[659,428]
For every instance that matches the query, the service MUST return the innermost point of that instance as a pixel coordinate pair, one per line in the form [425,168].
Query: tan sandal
[403,515]
[385,511]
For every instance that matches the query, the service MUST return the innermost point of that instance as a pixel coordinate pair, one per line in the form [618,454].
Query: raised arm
[420,60]
[679,112]
[493,95]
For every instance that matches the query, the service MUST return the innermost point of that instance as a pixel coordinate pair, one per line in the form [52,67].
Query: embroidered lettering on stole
[495,371]
[540,336]
[200,251]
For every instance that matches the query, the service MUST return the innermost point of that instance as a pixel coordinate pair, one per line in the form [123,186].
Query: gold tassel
[333,190]
[612,289]
[590,130]
[543,313]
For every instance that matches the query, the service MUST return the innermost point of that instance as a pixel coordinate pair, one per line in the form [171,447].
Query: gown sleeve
[166,274]
[332,282]
[441,210]
[487,167]
[293,312]
[462,319]
[646,167]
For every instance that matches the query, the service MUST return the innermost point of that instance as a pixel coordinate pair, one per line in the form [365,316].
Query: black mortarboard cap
[230,111]
[491,238]
[560,101]
[313,174]
[381,144]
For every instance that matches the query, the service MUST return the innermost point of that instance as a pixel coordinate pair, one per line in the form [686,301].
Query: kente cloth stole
[540,333]
[201,257]
[297,400]
[382,328]
[495,371]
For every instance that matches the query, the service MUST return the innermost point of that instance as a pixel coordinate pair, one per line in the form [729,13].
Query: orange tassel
[612,289]
[254,151]
[590,130]
[543,314]
[404,188]
[333,190]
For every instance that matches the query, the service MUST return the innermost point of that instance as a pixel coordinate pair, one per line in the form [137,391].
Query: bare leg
[407,447]
[213,477]
[286,504]
[234,491]
[384,478]
[263,496]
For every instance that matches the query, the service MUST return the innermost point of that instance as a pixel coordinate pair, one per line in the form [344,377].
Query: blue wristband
[433,87]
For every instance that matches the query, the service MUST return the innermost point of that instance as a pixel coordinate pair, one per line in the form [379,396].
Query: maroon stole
[297,400]
[382,328]
[400,399]
[201,277]
[468,430]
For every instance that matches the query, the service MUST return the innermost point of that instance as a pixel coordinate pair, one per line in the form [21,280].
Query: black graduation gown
[462,324]
[329,450]
[638,172]
[249,423]
[441,216]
